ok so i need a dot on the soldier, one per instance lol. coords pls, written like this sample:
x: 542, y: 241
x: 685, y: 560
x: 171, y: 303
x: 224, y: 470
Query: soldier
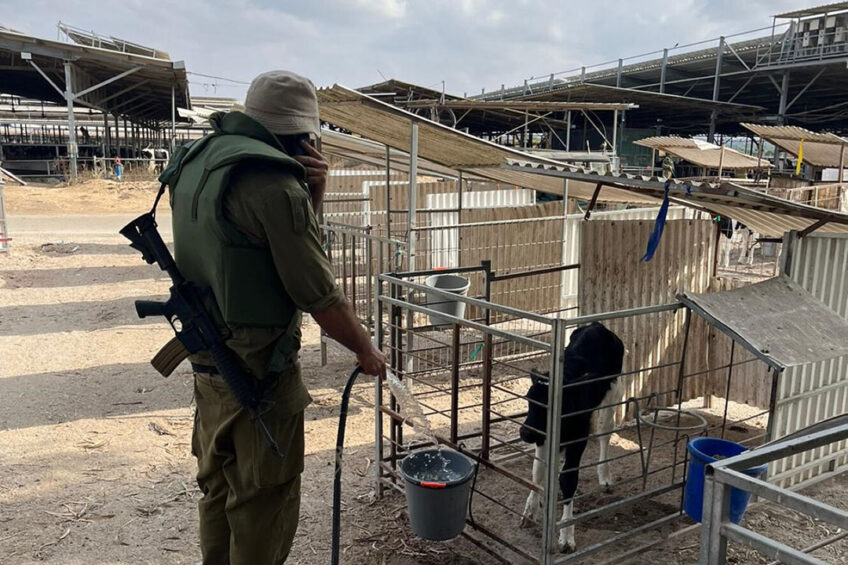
x: 667, y: 165
x: 244, y: 225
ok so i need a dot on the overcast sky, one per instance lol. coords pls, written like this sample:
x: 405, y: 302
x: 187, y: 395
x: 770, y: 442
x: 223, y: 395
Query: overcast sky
x: 469, y: 44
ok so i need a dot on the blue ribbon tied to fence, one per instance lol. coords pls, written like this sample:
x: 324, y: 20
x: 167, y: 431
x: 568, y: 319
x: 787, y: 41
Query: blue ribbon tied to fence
x: 659, y: 226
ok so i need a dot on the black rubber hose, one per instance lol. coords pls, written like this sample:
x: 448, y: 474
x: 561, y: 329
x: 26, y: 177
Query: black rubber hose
x: 337, y: 477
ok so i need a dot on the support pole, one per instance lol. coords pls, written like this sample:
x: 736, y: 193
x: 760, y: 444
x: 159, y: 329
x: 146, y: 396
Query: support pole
x: 105, y: 143
x: 552, y: 445
x: 568, y: 131
x: 716, y: 89
x: 841, y: 190
x: 72, y: 128
x: 388, y: 192
x: 720, y: 162
x: 618, y: 73
x: 784, y: 94
x: 526, y: 133
x: 663, y: 69
x: 459, y: 220
x: 615, y: 133
x: 411, y: 234
x: 173, y: 118
x: 564, y: 255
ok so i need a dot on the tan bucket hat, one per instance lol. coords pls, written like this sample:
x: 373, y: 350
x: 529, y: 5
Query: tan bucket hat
x: 284, y: 102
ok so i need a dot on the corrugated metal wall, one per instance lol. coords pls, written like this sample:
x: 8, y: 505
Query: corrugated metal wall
x: 612, y: 277
x: 571, y: 236
x: 815, y: 392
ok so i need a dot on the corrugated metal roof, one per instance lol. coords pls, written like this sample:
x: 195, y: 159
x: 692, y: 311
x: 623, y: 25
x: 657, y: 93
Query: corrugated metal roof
x: 445, y: 146
x: 703, y: 154
x: 763, y: 213
x: 815, y: 10
x: 777, y: 320
x: 147, y: 80
x: 350, y: 147
x: 820, y: 149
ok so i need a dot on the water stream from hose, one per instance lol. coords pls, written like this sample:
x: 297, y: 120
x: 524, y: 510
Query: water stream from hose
x: 436, y: 466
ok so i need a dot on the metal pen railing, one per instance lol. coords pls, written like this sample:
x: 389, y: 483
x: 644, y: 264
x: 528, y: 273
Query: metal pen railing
x: 724, y: 475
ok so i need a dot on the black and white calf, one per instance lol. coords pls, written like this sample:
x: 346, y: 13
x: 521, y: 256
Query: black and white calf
x: 735, y: 233
x: 593, y: 352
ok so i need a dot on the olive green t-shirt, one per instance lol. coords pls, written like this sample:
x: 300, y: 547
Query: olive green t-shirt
x: 273, y: 210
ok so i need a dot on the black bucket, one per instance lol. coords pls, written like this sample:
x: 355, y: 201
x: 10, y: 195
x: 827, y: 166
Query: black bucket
x: 438, y: 487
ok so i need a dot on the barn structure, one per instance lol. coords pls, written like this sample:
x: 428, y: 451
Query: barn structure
x: 538, y: 270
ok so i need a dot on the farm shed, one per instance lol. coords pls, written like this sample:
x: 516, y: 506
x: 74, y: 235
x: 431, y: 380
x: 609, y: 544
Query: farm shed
x: 703, y: 154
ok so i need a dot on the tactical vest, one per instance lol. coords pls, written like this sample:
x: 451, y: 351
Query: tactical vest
x: 209, y: 250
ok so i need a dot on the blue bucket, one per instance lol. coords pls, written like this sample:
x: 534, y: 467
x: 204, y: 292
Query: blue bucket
x: 703, y: 451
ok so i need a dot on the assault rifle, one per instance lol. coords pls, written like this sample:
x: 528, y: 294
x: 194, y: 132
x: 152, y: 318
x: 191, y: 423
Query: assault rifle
x: 195, y: 329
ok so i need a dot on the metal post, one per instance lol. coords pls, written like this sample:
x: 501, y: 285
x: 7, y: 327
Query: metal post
x: 775, y: 379
x: 378, y: 393
x: 72, y: 128
x: 488, y: 354
x: 173, y: 118
x: 717, y: 78
x: 618, y: 73
x: 552, y: 441
x: 413, y: 195
x: 716, y: 88
x: 105, y: 142
x: 720, y: 162
x: 784, y: 94
x: 663, y: 69
x: 526, y: 134
x: 615, y: 133
x: 716, y: 511
x: 459, y: 220
x: 564, y: 258
x: 454, y: 410
x: 388, y: 192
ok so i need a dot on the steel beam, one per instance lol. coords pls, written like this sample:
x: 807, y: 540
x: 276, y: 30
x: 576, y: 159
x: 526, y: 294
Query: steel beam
x: 107, y: 81
x: 803, y: 90
x: 124, y: 91
x: 61, y: 92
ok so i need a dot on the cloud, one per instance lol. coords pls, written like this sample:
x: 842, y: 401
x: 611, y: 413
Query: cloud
x: 470, y: 44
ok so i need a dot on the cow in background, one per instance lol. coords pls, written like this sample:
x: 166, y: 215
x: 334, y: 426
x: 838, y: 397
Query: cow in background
x: 592, y: 361
x: 735, y: 232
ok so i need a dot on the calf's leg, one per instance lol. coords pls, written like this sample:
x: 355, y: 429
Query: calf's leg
x: 603, y: 429
x: 568, y: 483
x: 533, y: 506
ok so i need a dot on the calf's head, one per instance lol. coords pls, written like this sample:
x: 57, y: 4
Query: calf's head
x: 535, y: 425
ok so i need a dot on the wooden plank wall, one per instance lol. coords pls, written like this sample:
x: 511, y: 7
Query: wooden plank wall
x: 612, y: 277
x: 515, y: 248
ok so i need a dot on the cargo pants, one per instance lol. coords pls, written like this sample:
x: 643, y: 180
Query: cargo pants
x: 251, y: 497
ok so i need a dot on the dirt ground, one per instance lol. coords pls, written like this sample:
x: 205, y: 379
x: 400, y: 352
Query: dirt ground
x: 94, y: 445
